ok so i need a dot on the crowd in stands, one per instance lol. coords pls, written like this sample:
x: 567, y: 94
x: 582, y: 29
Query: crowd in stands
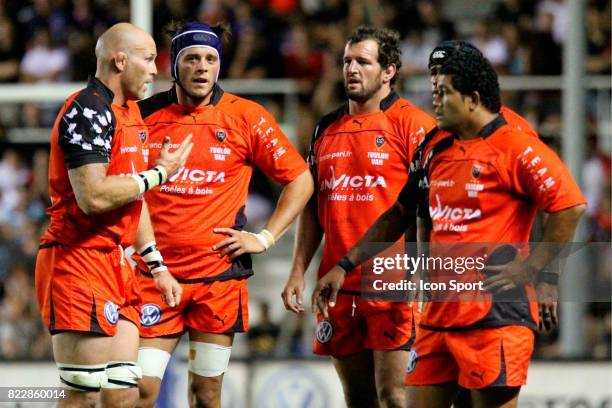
x: 44, y: 41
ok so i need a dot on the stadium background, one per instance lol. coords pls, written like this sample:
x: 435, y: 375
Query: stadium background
x: 554, y: 57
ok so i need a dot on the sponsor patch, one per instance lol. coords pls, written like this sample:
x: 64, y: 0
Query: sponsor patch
x: 412, y: 360
x: 324, y: 331
x: 151, y: 314
x: 111, y: 312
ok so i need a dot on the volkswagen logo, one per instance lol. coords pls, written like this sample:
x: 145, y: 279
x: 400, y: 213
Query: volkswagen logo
x: 412, y: 360
x: 324, y: 332
x: 111, y: 312
x: 151, y: 314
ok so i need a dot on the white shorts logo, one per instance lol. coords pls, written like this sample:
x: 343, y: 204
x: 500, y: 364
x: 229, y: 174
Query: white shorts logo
x: 151, y: 314
x: 111, y: 312
x: 324, y: 332
x: 412, y: 360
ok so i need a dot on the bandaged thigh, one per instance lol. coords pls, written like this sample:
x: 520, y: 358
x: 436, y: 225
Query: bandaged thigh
x: 153, y: 361
x: 208, y: 359
x: 122, y: 374
x: 86, y: 378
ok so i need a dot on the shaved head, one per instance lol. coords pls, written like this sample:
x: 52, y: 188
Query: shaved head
x: 122, y: 37
x: 125, y: 57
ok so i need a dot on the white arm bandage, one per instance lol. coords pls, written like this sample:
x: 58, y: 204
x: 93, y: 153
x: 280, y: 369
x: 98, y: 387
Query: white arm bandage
x: 150, y: 178
x: 151, y: 255
x: 265, y: 238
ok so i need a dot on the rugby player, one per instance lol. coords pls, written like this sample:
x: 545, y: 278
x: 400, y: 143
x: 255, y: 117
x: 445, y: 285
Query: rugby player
x: 199, y: 215
x: 482, y: 346
x: 360, y: 155
x: 97, y: 174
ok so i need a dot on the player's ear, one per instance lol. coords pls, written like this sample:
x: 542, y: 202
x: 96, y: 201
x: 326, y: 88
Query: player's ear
x: 389, y: 73
x: 474, y: 100
x: 120, y: 60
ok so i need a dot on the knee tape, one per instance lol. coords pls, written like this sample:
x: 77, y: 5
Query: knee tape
x: 153, y: 361
x: 122, y: 374
x: 207, y: 359
x: 83, y: 377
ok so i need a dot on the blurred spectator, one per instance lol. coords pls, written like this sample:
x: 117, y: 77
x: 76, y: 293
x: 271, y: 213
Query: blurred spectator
x: 301, y: 61
x: 415, y: 53
x: 492, y: 45
x: 9, y: 54
x: 596, y: 180
x: 13, y: 177
x: 557, y: 10
x: 44, y: 61
x: 598, y: 39
x: 545, y: 55
x: 264, y: 335
x: 518, y: 54
x: 435, y: 27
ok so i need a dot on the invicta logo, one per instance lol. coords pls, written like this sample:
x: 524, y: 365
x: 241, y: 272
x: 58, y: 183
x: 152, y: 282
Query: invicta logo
x: 345, y: 181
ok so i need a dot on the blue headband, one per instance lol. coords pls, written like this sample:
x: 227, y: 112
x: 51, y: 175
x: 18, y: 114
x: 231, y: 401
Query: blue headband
x: 193, y: 35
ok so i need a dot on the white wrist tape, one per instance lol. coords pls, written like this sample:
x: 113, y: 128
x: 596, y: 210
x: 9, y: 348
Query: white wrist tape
x: 151, y: 255
x: 265, y: 238
x: 150, y: 178
x: 268, y: 235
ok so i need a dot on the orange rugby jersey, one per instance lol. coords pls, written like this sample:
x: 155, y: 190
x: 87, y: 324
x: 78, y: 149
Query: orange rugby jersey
x: 91, y: 129
x: 487, y: 190
x: 361, y: 163
x: 230, y: 136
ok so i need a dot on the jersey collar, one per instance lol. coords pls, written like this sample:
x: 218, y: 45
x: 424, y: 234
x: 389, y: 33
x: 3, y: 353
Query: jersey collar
x: 99, y: 86
x: 492, y: 126
x: 388, y: 100
x: 217, y: 94
x: 385, y: 103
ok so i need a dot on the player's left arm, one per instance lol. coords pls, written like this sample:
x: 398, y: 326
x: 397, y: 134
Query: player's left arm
x: 272, y: 152
x: 146, y: 247
x: 539, y: 174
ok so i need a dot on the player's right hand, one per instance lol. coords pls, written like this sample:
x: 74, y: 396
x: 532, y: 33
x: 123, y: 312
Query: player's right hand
x: 548, y: 295
x: 294, y: 287
x: 326, y: 291
x: 174, y: 161
x: 170, y: 289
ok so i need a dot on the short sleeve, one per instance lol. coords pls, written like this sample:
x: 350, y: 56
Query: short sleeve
x: 416, y: 125
x: 537, y: 172
x: 85, y: 131
x: 271, y: 150
x: 517, y: 121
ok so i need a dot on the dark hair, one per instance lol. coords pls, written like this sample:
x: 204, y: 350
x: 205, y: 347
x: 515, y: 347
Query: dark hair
x: 472, y: 72
x: 388, y: 45
x: 222, y: 29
